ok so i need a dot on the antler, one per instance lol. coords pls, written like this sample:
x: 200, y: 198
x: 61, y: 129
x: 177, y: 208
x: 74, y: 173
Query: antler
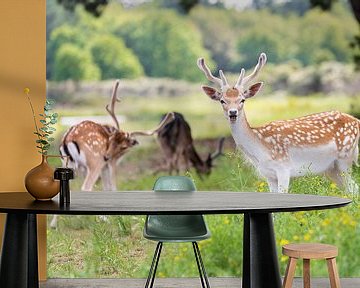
x: 219, y: 150
x: 221, y: 82
x: 243, y: 81
x: 167, y: 119
x: 114, y: 99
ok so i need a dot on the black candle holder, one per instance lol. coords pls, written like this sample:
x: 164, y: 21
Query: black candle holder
x: 64, y: 175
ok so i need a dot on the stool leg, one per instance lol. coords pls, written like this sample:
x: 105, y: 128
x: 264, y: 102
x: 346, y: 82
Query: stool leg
x: 306, y: 273
x: 333, y: 273
x: 290, y: 272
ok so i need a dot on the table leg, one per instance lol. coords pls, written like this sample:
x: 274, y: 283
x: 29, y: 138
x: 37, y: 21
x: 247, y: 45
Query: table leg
x: 19, y: 262
x: 260, y: 263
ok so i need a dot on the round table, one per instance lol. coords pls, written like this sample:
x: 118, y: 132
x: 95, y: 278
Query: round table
x: 260, y: 266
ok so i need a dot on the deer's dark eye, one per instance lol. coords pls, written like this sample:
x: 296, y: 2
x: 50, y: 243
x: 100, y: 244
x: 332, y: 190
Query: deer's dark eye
x: 222, y: 102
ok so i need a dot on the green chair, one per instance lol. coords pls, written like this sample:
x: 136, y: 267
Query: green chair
x: 176, y: 228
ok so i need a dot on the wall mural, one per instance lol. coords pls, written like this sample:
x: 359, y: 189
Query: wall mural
x: 128, y: 85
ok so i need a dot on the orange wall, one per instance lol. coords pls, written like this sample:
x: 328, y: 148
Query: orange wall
x: 22, y: 64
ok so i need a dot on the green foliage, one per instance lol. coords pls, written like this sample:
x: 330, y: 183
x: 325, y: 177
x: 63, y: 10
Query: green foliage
x: 114, y: 59
x: 65, y: 34
x: 329, y: 34
x: 45, y: 131
x: 72, y: 62
x: 167, y: 45
x: 252, y: 44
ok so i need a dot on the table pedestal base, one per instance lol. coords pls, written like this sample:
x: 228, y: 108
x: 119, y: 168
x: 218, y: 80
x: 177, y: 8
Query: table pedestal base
x: 260, y: 262
x: 19, y: 264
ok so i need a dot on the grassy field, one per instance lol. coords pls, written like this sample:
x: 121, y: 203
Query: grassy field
x: 87, y: 246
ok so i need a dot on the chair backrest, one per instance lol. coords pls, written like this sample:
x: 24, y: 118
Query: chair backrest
x: 174, y: 183
x: 164, y: 224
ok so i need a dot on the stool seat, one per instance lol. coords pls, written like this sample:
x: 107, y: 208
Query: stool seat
x: 310, y: 251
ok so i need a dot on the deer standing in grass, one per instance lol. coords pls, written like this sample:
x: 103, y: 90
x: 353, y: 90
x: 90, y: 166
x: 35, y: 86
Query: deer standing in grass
x: 177, y: 145
x: 98, y: 148
x: 322, y: 143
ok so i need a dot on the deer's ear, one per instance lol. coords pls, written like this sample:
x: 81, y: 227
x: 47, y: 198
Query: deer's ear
x: 212, y: 93
x: 253, y: 89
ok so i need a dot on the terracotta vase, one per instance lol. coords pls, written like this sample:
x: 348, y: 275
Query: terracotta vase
x: 40, y: 183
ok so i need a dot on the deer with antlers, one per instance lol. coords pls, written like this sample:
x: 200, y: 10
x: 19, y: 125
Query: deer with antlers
x: 177, y: 145
x: 98, y: 148
x: 322, y: 143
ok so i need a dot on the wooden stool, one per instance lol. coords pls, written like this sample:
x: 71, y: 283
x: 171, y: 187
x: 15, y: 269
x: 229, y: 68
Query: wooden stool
x: 309, y: 251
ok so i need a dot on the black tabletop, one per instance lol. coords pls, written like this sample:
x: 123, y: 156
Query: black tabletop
x: 150, y: 202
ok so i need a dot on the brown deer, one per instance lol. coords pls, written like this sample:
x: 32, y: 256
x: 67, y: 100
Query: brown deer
x: 177, y: 145
x: 98, y: 148
x: 325, y: 143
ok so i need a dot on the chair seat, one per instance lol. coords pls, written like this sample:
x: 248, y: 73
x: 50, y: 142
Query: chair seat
x: 176, y: 228
x: 310, y: 251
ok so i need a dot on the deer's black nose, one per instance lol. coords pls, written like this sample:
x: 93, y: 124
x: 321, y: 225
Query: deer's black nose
x: 232, y: 112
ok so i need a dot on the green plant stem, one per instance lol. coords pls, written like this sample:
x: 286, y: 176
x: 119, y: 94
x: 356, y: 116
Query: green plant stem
x: 34, y: 117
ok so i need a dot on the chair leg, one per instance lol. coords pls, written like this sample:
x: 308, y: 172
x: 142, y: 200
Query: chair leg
x: 290, y: 272
x: 154, y: 264
x: 306, y: 273
x: 333, y: 273
x: 201, y: 267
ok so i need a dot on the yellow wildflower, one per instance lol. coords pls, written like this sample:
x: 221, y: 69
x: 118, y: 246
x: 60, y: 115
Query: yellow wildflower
x: 262, y: 184
x: 296, y: 238
x: 325, y: 222
x: 226, y: 221
x: 307, y: 237
x: 333, y: 186
x: 26, y: 90
x: 284, y: 242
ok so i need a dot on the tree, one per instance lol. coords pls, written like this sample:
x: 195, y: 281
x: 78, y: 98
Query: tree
x: 60, y: 36
x: 114, y: 59
x: 167, y: 45
x: 72, y: 62
x: 95, y: 7
x: 251, y: 45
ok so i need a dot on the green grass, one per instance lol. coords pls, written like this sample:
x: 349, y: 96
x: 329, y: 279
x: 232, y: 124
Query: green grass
x: 90, y: 247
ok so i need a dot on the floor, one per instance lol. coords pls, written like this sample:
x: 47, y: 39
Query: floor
x: 179, y: 282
